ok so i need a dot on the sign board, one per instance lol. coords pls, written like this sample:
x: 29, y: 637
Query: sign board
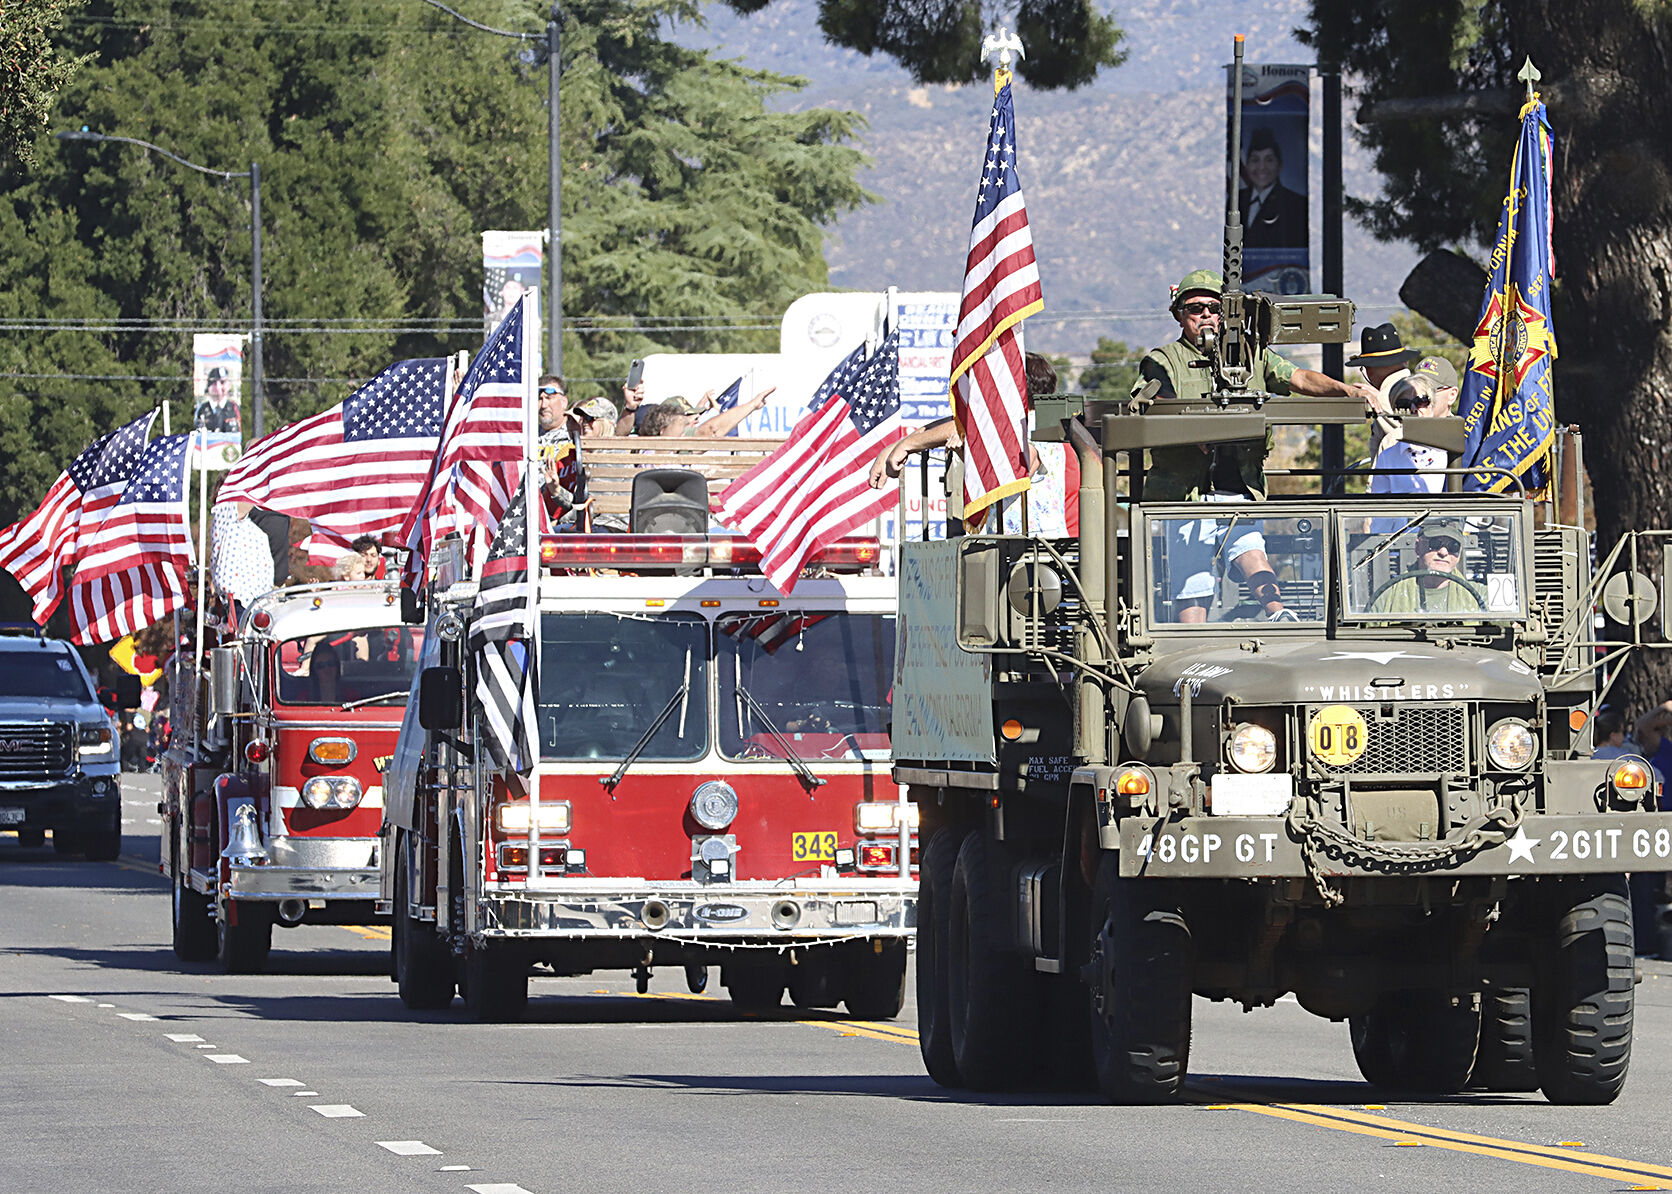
x: 1272, y: 190
x: 217, y: 397
x: 943, y: 696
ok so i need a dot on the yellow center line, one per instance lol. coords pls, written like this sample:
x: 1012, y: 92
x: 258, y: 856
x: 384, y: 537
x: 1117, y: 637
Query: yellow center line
x: 369, y: 932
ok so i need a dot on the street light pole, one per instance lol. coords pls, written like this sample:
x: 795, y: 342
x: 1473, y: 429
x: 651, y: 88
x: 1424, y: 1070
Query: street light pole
x: 257, y: 378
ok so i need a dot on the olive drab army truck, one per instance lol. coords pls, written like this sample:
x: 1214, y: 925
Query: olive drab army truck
x: 272, y: 793
x: 712, y: 786
x: 1378, y: 797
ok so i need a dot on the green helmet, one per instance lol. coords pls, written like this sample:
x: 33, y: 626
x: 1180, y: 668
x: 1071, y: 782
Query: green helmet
x: 1199, y: 281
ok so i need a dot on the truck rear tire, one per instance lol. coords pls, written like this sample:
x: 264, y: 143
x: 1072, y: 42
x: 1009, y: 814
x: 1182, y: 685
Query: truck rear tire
x: 66, y: 841
x: 244, y: 936
x: 986, y: 976
x: 495, y: 985
x: 754, y: 988
x: 31, y: 839
x: 423, y: 963
x: 1504, y: 1062
x: 876, y: 981
x: 1582, y: 1004
x: 934, y: 892
x: 1141, y: 975
x: 1417, y: 1040
x: 194, y: 924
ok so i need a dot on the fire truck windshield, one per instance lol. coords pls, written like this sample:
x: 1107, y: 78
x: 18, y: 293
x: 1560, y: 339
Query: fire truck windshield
x: 823, y: 679
x: 604, y: 678
x: 345, y: 667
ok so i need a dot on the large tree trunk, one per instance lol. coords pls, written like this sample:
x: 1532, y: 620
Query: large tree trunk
x: 1613, y: 242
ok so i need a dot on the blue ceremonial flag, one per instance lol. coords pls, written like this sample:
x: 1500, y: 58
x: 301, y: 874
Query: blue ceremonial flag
x: 729, y: 398
x: 1509, y: 416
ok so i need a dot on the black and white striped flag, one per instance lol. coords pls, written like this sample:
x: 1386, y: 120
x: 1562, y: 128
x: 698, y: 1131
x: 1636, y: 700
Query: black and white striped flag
x: 503, y: 640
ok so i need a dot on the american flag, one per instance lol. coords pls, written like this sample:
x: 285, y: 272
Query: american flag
x: 770, y: 631
x: 729, y: 398
x: 131, y: 567
x: 503, y: 639
x: 354, y: 469
x: 478, y: 461
x: 36, y: 549
x: 843, y: 375
x: 1001, y: 288
x: 815, y: 488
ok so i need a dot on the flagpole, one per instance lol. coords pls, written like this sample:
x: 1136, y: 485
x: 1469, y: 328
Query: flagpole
x: 202, y: 553
x: 533, y: 517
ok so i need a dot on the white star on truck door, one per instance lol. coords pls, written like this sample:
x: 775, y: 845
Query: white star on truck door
x: 1521, y: 846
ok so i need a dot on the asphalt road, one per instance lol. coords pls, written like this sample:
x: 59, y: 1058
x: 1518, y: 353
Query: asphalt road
x: 124, y: 1070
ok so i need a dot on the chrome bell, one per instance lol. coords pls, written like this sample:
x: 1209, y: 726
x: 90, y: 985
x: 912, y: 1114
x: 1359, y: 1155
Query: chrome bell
x: 243, y: 845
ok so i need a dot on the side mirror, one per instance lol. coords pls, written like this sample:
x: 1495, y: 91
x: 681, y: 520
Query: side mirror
x: 223, y: 681
x: 440, y: 698
x: 979, y: 593
x: 124, y: 690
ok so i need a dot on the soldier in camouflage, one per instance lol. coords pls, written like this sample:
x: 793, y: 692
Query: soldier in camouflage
x: 1230, y: 470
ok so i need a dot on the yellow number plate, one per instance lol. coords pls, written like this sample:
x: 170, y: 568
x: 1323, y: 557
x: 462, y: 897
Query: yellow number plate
x: 1337, y: 734
x: 813, y: 847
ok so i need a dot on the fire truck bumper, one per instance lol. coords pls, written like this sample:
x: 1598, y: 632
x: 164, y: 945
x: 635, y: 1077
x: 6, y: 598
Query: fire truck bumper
x: 739, y: 914
x: 284, y: 883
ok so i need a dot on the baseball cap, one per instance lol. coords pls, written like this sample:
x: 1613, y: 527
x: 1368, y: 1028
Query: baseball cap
x: 1437, y: 369
x: 597, y: 408
x: 682, y: 404
x: 1198, y: 281
x: 1449, y: 528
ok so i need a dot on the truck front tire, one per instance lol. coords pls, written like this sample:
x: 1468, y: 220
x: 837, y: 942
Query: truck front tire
x: 194, y: 924
x: 986, y: 976
x: 934, y: 892
x: 495, y: 985
x: 423, y: 963
x: 876, y: 980
x: 244, y: 936
x: 1582, y: 1004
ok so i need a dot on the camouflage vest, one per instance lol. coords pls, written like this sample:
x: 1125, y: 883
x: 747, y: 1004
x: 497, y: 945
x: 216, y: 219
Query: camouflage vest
x: 1184, y: 473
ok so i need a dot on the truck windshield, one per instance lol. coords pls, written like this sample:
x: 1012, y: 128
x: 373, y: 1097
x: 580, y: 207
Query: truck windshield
x: 823, y: 679
x: 1434, y: 565
x: 45, y: 674
x: 347, y: 667
x: 1241, y: 565
x: 605, y: 677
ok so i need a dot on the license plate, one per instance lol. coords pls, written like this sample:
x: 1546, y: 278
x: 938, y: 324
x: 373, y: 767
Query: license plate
x: 813, y: 847
x: 11, y: 816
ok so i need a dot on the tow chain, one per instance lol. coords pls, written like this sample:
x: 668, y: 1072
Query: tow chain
x: 1320, y: 839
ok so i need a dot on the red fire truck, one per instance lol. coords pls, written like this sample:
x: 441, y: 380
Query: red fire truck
x: 713, y: 786
x: 272, y: 793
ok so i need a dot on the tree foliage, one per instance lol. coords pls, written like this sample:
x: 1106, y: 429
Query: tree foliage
x: 389, y: 136
x: 1605, y: 64
x: 1112, y: 372
x: 32, y: 70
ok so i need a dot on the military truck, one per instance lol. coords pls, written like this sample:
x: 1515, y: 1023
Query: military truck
x: 1139, y: 783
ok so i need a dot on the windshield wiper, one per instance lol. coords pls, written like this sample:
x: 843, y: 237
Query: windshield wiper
x: 677, y: 698
x: 1386, y: 541
x: 790, y: 756
x: 387, y: 696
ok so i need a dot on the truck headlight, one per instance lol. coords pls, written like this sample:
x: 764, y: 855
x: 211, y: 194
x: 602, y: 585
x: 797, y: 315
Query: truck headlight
x: 884, y: 816
x: 516, y: 816
x: 714, y: 805
x: 1253, y: 748
x: 95, y: 738
x: 331, y: 792
x: 1511, y: 745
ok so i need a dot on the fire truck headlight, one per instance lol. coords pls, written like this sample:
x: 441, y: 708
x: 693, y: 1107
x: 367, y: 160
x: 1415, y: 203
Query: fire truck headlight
x: 714, y: 805
x: 883, y: 816
x: 331, y: 792
x: 514, y: 817
x: 1510, y: 745
x: 1253, y: 748
x: 450, y: 627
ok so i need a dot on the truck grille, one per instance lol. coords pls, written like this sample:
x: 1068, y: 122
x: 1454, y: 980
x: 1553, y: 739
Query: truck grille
x: 1416, y: 739
x: 37, y: 751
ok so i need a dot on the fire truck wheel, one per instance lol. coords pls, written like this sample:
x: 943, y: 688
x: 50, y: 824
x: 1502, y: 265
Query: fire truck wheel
x: 1418, y: 1040
x: 65, y: 842
x: 755, y: 988
x: 1582, y: 1003
x: 987, y: 979
x: 1140, y: 978
x: 495, y: 985
x: 813, y: 979
x: 423, y: 963
x: 877, y: 981
x: 934, y: 890
x: 1505, y: 1060
x: 31, y: 839
x: 103, y: 845
x: 243, y: 936
x: 194, y: 924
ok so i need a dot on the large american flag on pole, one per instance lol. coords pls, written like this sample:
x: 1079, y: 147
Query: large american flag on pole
x: 36, y: 549
x: 131, y: 567
x: 1001, y: 288
x: 816, y: 488
x: 354, y: 469
x: 479, y: 458
x: 503, y: 640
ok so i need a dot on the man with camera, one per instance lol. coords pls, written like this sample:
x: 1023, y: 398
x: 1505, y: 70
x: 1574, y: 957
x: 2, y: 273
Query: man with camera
x: 1428, y: 393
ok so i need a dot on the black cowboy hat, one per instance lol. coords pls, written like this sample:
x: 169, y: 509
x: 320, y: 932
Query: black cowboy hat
x: 1380, y: 345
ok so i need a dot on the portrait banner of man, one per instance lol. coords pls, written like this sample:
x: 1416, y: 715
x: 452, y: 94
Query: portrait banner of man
x: 217, y: 396
x: 1273, y: 168
x: 511, y: 264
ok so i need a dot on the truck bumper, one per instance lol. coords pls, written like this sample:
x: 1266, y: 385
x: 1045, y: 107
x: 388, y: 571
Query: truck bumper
x: 76, y: 802
x: 735, y: 914
x: 1262, y: 848
x: 283, y: 883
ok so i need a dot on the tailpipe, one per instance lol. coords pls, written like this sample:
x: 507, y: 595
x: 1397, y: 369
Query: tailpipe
x: 291, y: 912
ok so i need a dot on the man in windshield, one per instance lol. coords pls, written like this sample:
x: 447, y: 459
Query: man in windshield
x: 1431, y: 587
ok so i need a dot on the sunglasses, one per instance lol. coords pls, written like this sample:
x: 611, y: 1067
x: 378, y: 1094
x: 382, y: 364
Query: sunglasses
x: 548, y: 391
x: 1200, y: 308
x: 1444, y: 543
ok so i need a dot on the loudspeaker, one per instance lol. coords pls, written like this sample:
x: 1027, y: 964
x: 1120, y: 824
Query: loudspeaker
x: 669, y: 501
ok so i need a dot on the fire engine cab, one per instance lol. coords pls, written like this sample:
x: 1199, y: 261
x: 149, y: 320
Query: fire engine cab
x: 712, y: 785
x: 272, y: 792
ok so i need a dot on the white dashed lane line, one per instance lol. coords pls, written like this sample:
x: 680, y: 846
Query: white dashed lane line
x: 135, y: 1016
x: 183, y: 1038
x: 279, y: 1082
x: 227, y: 1059
x: 499, y: 1188
x: 408, y: 1148
x: 337, y: 1111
